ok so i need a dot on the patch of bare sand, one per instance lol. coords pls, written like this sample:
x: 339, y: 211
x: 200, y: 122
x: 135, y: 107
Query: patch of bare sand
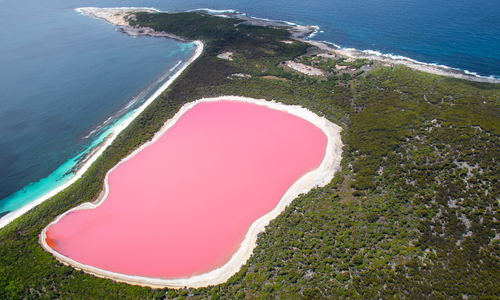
x: 226, y: 55
x: 304, y: 69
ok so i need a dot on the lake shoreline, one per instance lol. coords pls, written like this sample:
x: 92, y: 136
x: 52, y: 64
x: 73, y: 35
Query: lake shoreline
x: 319, y: 177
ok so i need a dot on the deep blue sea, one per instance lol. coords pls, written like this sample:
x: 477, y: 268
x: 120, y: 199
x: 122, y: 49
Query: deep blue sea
x: 65, y: 78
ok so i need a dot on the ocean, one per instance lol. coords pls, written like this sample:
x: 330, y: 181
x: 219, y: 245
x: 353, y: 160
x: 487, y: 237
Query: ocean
x: 67, y: 80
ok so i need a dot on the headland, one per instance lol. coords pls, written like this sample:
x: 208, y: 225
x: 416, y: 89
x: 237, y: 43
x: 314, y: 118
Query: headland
x: 121, y: 18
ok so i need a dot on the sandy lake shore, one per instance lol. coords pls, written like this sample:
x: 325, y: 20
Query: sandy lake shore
x: 316, y: 178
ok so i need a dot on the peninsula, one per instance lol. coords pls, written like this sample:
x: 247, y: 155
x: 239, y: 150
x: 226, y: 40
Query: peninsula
x: 122, y: 18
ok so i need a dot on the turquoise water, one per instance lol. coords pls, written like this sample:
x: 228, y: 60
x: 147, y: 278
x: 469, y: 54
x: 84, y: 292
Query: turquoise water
x: 59, y: 177
x: 66, y: 77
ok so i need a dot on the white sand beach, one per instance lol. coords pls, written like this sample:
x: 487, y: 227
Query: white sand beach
x: 15, y: 214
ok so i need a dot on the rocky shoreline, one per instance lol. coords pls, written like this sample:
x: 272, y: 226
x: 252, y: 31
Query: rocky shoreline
x: 438, y: 70
x: 120, y: 17
x: 297, y: 31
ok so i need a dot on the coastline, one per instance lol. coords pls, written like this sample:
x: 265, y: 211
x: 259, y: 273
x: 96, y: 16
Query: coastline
x: 303, y: 32
x: 412, y: 64
x: 316, y: 178
x: 116, y: 16
x: 5, y: 220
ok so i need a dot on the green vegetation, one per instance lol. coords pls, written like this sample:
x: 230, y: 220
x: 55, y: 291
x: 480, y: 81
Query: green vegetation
x: 412, y: 215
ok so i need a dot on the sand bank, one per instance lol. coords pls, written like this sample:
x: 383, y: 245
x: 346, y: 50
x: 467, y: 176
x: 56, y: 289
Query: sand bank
x: 318, y: 177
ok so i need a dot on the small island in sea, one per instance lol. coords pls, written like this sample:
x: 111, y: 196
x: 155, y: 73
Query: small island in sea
x: 412, y: 211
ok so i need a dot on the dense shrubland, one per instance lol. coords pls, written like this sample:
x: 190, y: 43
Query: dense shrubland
x: 414, y: 213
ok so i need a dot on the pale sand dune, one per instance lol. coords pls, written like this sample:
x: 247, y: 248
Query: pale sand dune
x: 319, y: 177
x: 304, y: 69
x: 120, y: 17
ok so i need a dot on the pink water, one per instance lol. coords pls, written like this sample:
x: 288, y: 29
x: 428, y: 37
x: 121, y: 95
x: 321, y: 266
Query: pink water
x: 183, y: 205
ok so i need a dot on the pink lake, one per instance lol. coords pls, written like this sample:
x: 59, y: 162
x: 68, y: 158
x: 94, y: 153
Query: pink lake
x: 182, y: 206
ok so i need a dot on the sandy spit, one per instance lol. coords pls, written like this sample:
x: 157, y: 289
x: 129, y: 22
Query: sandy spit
x: 115, y: 15
x: 316, y: 178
